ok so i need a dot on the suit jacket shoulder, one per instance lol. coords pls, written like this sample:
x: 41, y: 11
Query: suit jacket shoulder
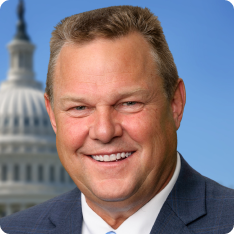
x: 47, y: 217
x: 196, y: 204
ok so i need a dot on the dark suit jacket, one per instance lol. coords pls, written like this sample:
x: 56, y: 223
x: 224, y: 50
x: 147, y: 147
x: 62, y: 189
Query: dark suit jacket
x: 195, y: 205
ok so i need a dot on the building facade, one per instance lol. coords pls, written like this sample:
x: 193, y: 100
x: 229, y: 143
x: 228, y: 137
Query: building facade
x: 30, y: 170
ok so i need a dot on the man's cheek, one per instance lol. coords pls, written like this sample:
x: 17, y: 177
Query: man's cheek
x: 71, y: 133
x: 138, y: 126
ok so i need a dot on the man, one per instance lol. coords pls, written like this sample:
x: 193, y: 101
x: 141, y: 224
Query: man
x: 115, y: 102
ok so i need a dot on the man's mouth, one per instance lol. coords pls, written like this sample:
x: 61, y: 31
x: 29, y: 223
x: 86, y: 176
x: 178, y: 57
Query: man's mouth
x: 111, y: 157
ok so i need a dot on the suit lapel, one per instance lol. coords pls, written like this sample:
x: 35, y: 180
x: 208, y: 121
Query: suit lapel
x: 168, y: 222
x: 68, y: 219
x: 185, y: 203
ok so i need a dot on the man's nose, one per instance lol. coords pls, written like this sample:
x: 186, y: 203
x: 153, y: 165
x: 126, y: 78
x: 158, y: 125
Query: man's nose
x: 105, y: 126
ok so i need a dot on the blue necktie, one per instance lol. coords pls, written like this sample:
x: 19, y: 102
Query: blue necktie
x: 111, y: 232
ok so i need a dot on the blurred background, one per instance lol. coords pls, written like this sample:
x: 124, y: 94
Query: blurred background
x: 200, y: 34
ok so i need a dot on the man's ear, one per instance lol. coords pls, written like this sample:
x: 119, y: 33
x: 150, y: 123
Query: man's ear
x: 50, y: 112
x: 178, y: 102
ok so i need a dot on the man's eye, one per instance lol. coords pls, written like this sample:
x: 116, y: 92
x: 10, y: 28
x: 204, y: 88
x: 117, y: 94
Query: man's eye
x: 80, y: 107
x: 80, y: 111
x: 130, y: 107
x: 129, y: 103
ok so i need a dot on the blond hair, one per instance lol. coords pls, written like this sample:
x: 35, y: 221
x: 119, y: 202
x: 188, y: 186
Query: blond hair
x: 113, y: 22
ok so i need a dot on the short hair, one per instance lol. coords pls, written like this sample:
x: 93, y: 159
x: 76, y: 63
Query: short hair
x: 114, y: 22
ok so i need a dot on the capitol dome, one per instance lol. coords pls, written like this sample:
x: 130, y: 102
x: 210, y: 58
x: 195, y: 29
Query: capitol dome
x: 22, y: 110
x: 30, y: 170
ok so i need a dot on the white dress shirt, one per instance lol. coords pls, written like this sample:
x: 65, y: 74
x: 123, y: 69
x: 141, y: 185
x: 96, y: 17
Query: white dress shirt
x: 140, y: 222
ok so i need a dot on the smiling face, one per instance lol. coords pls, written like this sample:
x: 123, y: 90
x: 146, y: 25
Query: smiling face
x: 109, y: 102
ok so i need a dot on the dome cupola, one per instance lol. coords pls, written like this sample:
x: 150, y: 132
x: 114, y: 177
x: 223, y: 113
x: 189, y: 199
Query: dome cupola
x: 21, y: 57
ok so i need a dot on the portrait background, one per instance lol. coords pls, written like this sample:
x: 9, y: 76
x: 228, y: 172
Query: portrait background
x: 200, y: 35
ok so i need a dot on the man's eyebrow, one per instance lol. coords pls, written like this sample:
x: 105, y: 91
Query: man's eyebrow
x: 142, y: 92
x: 71, y: 99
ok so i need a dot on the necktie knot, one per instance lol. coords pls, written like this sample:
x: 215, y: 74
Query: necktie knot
x: 111, y: 232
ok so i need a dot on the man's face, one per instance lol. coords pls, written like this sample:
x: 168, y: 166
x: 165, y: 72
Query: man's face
x: 108, y: 99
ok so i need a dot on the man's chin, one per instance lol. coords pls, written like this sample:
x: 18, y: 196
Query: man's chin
x: 116, y: 196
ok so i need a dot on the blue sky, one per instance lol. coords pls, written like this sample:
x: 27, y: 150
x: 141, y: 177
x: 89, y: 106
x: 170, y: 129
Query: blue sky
x: 200, y: 34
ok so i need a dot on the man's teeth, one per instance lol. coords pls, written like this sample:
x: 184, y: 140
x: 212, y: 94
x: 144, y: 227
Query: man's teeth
x: 112, y: 157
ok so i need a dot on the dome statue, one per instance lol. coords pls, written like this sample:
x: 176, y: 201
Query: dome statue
x: 30, y: 170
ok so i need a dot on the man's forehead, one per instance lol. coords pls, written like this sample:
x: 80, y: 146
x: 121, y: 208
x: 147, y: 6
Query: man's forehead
x: 106, y: 62
x: 121, y: 51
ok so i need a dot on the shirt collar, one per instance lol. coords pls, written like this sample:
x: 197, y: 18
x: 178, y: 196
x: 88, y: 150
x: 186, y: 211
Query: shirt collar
x: 140, y: 222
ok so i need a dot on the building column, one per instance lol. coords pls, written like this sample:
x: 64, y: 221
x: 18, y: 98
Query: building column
x: 34, y: 172
x: 10, y: 171
x: 1, y: 171
x: 46, y: 172
x: 22, y: 175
